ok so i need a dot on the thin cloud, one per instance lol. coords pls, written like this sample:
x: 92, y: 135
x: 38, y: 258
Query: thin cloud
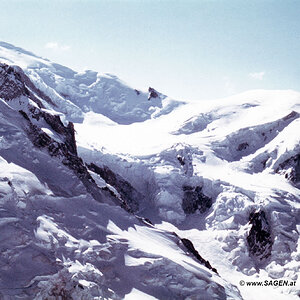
x: 56, y: 46
x: 257, y: 75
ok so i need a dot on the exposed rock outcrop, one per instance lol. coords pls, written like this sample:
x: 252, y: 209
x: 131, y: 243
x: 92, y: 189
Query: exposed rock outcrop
x: 15, y: 83
x: 67, y: 131
x: 291, y: 169
x: 259, y: 238
x: 194, y: 199
x: 127, y: 192
x: 242, y: 146
x: 152, y: 93
x: 190, y: 247
x: 66, y: 153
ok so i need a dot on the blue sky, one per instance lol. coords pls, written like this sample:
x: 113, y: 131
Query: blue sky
x: 186, y: 49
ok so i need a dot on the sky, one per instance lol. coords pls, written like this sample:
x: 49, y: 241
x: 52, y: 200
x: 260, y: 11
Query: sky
x: 189, y: 49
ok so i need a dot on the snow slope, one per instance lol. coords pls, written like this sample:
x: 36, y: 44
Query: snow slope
x: 74, y: 93
x: 234, y: 158
x: 111, y: 216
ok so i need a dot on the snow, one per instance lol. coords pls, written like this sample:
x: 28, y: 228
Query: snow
x: 56, y: 240
x: 236, y: 191
x: 136, y: 294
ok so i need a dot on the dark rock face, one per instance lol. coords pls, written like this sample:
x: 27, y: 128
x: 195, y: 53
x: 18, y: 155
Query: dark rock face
x: 152, y: 93
x: 14, y: 83
x: 181, y: 160
x: 259, y: 238
x: 194, y: 199
x: 291, y: 115
x: 70, y: 159
x: 11, y: 85
x: 42, y: 139
x: 68, y: 132
x: 128, y: 193
x: 190, y: 247
x: 242, y: 146
x: 291, y: 169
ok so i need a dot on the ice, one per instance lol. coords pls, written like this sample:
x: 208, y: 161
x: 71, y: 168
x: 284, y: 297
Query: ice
x: 136, y: 294
x: 58, y: 241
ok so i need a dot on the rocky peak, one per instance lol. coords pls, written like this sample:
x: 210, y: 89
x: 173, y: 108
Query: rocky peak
x: 152, y: 93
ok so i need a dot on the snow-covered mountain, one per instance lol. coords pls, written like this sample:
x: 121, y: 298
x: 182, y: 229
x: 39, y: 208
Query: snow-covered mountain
x: 107, y: 192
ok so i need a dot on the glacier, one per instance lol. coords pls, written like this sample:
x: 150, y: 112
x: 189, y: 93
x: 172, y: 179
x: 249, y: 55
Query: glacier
x: 108, y: 192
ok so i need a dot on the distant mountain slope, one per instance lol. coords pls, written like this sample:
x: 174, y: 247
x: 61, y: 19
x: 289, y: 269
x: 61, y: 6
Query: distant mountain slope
x: 75, y: 93
x: 107, y: 192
